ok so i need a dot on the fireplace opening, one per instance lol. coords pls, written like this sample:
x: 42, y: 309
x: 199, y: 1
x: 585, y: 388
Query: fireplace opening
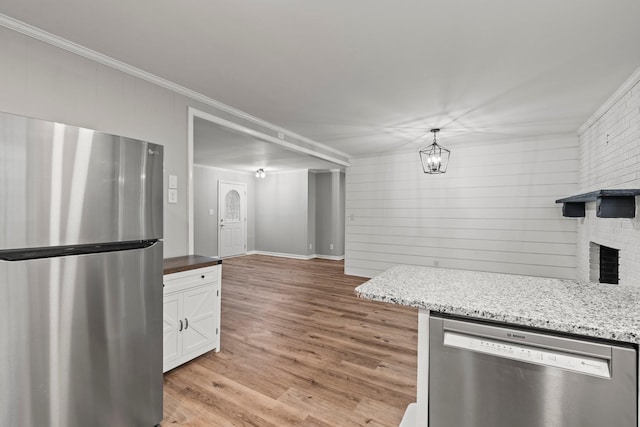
x: 609, y: 265
x: 604, y: 264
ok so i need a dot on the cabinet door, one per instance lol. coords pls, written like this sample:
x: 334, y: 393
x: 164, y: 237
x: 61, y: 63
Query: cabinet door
x: 199, y: 312
x: 172, y: 337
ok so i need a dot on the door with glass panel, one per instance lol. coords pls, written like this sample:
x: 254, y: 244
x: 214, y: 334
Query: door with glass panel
x: 232, y: 218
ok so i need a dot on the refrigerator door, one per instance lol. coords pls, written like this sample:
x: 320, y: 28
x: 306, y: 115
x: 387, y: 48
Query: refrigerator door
x: 61, y: 185
x: 81, y: 340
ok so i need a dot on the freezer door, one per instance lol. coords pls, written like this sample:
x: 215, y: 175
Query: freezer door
x: 61, y: 185
x: 81, y: 340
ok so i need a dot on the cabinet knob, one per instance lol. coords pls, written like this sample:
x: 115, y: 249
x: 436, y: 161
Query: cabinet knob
x: 202, y: 276
x: 186, y: 321
x: 180, y: 330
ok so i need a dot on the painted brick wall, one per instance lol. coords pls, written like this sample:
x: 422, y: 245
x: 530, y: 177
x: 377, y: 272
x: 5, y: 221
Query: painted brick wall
x: 610, y: 159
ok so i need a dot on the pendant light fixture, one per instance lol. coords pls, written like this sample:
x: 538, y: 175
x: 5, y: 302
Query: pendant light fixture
x: 260, y: 173
x: 434, y: 158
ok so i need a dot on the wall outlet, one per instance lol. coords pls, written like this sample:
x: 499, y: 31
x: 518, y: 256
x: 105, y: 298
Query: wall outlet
x: 331, y: 246
x: 212, y: 212
x: 310, y: 245
x: 173, y: 181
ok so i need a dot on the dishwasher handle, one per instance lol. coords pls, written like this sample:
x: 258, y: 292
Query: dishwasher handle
x: 587, y: 365
x: 524, y: 337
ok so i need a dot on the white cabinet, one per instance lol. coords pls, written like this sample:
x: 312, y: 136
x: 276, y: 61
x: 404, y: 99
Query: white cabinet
x: 191, y: 315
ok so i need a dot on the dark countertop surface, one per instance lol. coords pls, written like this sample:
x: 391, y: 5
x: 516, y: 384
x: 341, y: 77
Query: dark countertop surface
x: 188, y: 262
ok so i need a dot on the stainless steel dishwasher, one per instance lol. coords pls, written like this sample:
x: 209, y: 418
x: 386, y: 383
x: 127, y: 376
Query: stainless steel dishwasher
x: 481, y: 375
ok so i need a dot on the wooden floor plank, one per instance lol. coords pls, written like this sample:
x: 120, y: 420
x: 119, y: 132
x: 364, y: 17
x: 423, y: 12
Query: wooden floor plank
x: 298, y: 349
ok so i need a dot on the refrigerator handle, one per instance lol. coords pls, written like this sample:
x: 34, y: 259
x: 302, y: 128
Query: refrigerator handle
x: 186, y: 321
x: 180, y: 330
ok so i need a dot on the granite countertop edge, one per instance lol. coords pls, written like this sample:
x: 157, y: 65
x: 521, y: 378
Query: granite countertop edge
x: 626, y: 328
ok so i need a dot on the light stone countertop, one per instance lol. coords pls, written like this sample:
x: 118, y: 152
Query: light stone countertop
x: 590, y: 309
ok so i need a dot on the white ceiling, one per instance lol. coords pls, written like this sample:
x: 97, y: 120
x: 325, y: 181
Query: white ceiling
x: 367, y: 76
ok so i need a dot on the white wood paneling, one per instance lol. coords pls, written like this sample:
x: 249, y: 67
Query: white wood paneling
x: 405, y: 243
x: 494, y: 210
x: 516, y: 236
x: 358, y: 266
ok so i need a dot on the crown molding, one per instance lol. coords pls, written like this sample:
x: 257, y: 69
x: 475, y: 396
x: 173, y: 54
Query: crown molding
x: 613, y: 100
x: 59, y: 42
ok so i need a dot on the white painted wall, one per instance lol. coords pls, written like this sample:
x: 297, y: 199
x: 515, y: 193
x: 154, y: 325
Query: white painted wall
x: 205, y: 191
x: 311, y: 210
x: 494, y: 209
x: 282, y: 217
x: 330, y: 213
x: 339, y: 186
x: 41, y: 81
x: 46, y: 82
x: 324, y: 234
x: 610, y: 159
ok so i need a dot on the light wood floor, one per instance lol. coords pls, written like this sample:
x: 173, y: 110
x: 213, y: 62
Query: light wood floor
x: 298, y: 349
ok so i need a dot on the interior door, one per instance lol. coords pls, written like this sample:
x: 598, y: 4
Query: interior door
x: 232, y: 219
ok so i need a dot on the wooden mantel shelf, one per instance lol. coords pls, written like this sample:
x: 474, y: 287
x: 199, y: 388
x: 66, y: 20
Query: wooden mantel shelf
x: 609, y: 203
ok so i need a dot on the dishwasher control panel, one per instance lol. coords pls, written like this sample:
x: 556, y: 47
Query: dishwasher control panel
x: 546, y: 357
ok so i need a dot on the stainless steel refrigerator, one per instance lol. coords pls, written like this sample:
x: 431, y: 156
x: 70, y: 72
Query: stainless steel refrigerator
x: 80, y: 277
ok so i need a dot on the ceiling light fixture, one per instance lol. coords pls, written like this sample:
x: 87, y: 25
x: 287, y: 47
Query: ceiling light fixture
x: 434, y: 158
x: 260, y: 173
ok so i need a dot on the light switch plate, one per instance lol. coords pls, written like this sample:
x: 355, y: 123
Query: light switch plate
x: 173, y: 181
x: 173, y: 195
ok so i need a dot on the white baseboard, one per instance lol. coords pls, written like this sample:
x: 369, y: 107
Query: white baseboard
x: 330, y: 257
x: 296, y: 256
x: 409, y: 419
x: 284, y: 255
x: 235, y: 256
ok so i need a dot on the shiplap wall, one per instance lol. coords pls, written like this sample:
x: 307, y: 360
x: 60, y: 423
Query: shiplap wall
x: 494, y: 210
x: 610, y: 158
